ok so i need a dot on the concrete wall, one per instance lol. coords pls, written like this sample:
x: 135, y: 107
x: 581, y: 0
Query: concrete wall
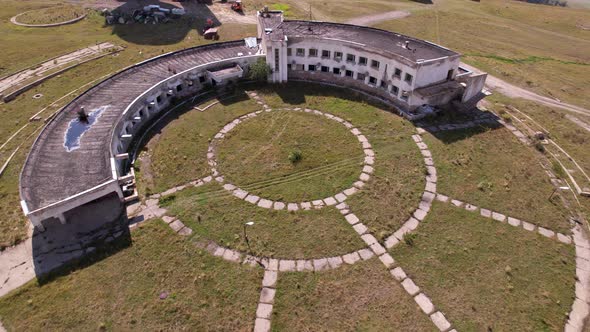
x: 385, y: 82
x: 475, y: 84
x: 156, y: 99
x: 436, y: 71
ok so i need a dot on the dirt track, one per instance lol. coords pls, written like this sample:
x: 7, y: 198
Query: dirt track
x: 377, y: 18
x: 512, y: 91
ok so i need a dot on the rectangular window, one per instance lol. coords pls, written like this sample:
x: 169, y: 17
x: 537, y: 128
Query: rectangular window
x: 325, y: 54
x: 408, y: 78
x: 325, y: 69
x: 311, y: 67
x: 338, y: 56
x: 363, y: 61
x: 360, y: 77
x: 201, y: 79
x: 394, y: 90
x: 289, y: 66
x: 350, y: 57
x: 398, y: 73
x: 277, y: 59
x: 384, y: 84
x: 289, y: 52
x: 404, y: 95
x: 372, y: 80
x: 349, y: 73
x: 313, y: 52
x: 336, y: 71
x: 300, y: 52
x: 179, y: 87
x: 375, y: 64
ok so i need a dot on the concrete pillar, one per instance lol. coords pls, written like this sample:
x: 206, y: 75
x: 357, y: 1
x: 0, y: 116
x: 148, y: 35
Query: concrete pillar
x: 62, y: 218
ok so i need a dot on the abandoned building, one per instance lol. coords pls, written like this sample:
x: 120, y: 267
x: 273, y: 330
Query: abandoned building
x: 75, y: 162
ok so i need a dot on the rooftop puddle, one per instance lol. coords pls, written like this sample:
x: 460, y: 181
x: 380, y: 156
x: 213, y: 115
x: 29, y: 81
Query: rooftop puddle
x: 78, y: 128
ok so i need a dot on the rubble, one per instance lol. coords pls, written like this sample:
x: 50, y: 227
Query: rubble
x: 149, y: 14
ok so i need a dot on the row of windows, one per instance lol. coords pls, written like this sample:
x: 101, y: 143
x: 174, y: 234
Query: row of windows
x: 338, y: 56
x: 349, y: 73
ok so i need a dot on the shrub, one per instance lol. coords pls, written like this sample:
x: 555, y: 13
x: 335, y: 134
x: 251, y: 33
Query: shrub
x: 259, y: 71
x: 295, y: 157
x: 409, y: 239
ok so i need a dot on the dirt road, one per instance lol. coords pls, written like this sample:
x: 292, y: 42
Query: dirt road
x: 377, y: 18
x: 512, y: 91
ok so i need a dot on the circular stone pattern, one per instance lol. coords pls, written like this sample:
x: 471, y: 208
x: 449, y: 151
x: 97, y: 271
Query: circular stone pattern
x: 257, y: 164
x: 50, y: 17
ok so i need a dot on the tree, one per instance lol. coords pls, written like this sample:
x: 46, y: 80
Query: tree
x: 259, y: 71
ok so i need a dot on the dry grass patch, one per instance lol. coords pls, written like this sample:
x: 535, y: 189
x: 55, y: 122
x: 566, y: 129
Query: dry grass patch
x: 177, y: 150
x: 215, y: 214
x: 290, y: 156
x: 361, y: 297
x: 486, y: 275
x: 490, y: 168
x: 51, y: 15
x: 396, y: 186
x: 122, y: 292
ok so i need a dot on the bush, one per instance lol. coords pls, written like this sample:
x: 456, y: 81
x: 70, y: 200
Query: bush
x: 409, y: 239
x: 166, y: 200
x: 259, y: 71
x: 295, y: 156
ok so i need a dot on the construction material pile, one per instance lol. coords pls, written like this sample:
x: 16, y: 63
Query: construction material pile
x: 149, y: 14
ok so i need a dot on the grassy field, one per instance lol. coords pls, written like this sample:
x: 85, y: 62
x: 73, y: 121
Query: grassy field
x: 395, y: 189
x: 526, y: 44
x: 215, y: 214
x: 50, y: 15
x: 490, y: 168
x: 486, y: 275
x: 177, y: 149
x: 260, y: 156
x: 122, y: 292
x: 361, y: 297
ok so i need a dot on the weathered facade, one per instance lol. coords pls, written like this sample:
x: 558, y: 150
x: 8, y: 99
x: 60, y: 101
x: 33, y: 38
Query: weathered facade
x: 405, y: 71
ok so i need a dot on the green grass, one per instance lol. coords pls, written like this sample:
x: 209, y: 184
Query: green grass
x: 256, y: 156
x: 122, y: 292
x: 361, y: 297
x: 486, y: 275
x: 490, y: 168
x: 51, y: 15
x: 177, y: 152
x: 525, y: 44
x: 215, y: 214
x: 397, y: 184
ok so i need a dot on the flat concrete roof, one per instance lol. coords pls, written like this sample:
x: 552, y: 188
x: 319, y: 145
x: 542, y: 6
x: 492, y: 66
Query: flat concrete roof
x: 52, y: 173
x: 376, y: 39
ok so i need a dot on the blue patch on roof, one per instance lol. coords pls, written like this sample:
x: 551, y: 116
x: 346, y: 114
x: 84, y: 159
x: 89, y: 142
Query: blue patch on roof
x: 77, y: 129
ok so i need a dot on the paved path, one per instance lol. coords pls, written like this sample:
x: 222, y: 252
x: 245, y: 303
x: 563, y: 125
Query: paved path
x: 377, y: 18
x: 16, y: 266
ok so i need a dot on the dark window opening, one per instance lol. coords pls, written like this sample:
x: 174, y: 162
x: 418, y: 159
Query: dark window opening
x: 450, y: 74
x: 408, y: 78
x: 372, y: 80
x: 398, y: 73
x: 289, y: 52
x: 179, y: 87
x: 325, y: 69
x: 313, y: 52
x: 201, y: 79
x: 325, y: 54
x: 360, y: 77
x: 363, y: 61
x: 336, y: 71
x: 394, y: 90
x: 311, y: 67
x: 349, y: 73
x: 350, y: 57
x: 375, y: 64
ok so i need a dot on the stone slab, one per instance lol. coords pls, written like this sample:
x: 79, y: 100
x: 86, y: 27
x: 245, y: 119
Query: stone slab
x: 267, y: 295
x: 410, y: 286
x: 440, y: 321
x: 387, y: 260
x: 269, y: 279
x: 264, y: 310
x: 351, y: 258
x: 398, y: 273
x: 424, y: 303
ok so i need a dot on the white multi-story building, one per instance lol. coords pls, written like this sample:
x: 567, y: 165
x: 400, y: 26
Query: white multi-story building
x: 403, y: 70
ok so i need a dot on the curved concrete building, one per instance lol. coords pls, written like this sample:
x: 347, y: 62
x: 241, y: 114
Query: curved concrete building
x: 73, y: 163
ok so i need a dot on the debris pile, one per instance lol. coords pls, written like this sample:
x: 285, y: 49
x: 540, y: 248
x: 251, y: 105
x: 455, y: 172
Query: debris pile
x: 149, y: 14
